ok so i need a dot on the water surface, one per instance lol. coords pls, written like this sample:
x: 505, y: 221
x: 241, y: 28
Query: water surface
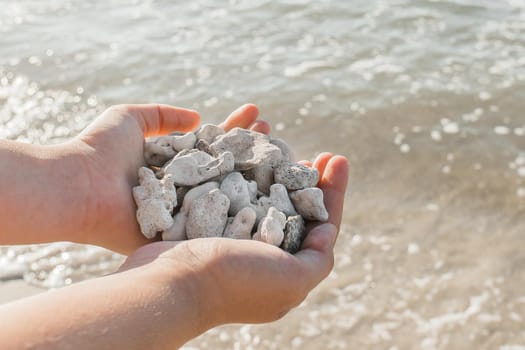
x: 424, y: 97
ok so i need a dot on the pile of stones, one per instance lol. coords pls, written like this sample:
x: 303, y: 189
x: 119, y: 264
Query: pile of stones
x: 238, y: 184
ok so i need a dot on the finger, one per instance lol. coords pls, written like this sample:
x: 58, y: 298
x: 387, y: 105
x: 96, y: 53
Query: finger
x: 321, y: 161
x: 306, y: 163
x: 242, y: 117
x: 156, y: 119
x: 321, y: 238
x: 261, y: 126
x: 333, y: 183
x: 316, y: 254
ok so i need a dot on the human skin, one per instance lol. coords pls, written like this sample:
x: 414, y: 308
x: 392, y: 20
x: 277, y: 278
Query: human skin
x: 166, y: 293
x: 80, y: 190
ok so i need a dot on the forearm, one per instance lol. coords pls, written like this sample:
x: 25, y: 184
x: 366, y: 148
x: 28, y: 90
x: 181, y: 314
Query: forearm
x: 129, y: 310
x: 42, y: 190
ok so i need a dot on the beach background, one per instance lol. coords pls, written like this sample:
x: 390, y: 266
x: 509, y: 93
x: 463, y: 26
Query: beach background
x: 425, y: 97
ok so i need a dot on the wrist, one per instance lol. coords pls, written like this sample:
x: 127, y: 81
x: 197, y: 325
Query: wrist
x: 187, y: 295
x: 73, y: 200
x: 42, y: 193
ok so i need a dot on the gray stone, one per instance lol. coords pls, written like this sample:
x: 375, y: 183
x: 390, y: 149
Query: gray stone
x: 177, y: 231
x: 271, y: 227
x: 296, y: 176
x: 286, y: 151
x: 309, y: 204
x: 240, y: 226
x: 158, y: 150
x: 262, y: 175
x: 237, y: 189
x: 196, y: 167
x: 249, y: 148
x: 294, y: 234
x: 208, y: 215
x: 186, y: 141
x: 278, y: 198
x: 155, y: 202
x: 208, y: 133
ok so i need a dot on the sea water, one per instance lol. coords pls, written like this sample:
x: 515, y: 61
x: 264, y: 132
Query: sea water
x: 426, y: 98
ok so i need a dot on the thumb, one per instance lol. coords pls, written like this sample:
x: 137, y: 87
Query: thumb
x: 158, y: 119
x: 316, y: 254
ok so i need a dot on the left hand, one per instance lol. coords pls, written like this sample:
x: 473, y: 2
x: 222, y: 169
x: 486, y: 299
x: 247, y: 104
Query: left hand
x: 111, y: 152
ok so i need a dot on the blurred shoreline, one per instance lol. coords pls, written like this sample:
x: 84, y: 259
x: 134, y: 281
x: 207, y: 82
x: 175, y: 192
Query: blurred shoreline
x: 13, y: 290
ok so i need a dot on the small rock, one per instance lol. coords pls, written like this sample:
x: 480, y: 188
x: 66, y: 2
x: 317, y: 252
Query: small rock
x: 196, y: 167
x: 262, y: 174
x: 241, y: 225
x: 278, y: 198
x: 204, y: 146
x: 158, y: 150
x: 155, y: 202
x: 177, y: 231
x: 237, y: 189
x: 271, y: 227
x: 294, y: 234
x: 208, y: 215
x: 286, y: 151
x: 197, y: 192
x: 181, y: 193
x: 186, y: 141
x: 249, y: 148
x: 201, y: 157
x: 252, y: 189
x: 208, y: 133
x: 296, y: 176
x: 309, y: 204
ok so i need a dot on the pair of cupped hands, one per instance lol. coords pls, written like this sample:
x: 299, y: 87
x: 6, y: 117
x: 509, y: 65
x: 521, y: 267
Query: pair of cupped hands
x: 263, y: 281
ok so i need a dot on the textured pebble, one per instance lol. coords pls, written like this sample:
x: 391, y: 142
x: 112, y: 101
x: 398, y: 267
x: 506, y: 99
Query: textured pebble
x: 208, y: 215
x: 237, y: 189
x: 208, y: 133
x: 286, y: 151
x: 296, y: 176
x: 248, y: 148
x: 309, y: 204
x: 196, y: 167
x: 177, y: 231
x: 155, y: 202
x: 294, y: 234
x: 228, y: 183
x: 271, y: 227
x: 240, y: 226
x: 158, y: 151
